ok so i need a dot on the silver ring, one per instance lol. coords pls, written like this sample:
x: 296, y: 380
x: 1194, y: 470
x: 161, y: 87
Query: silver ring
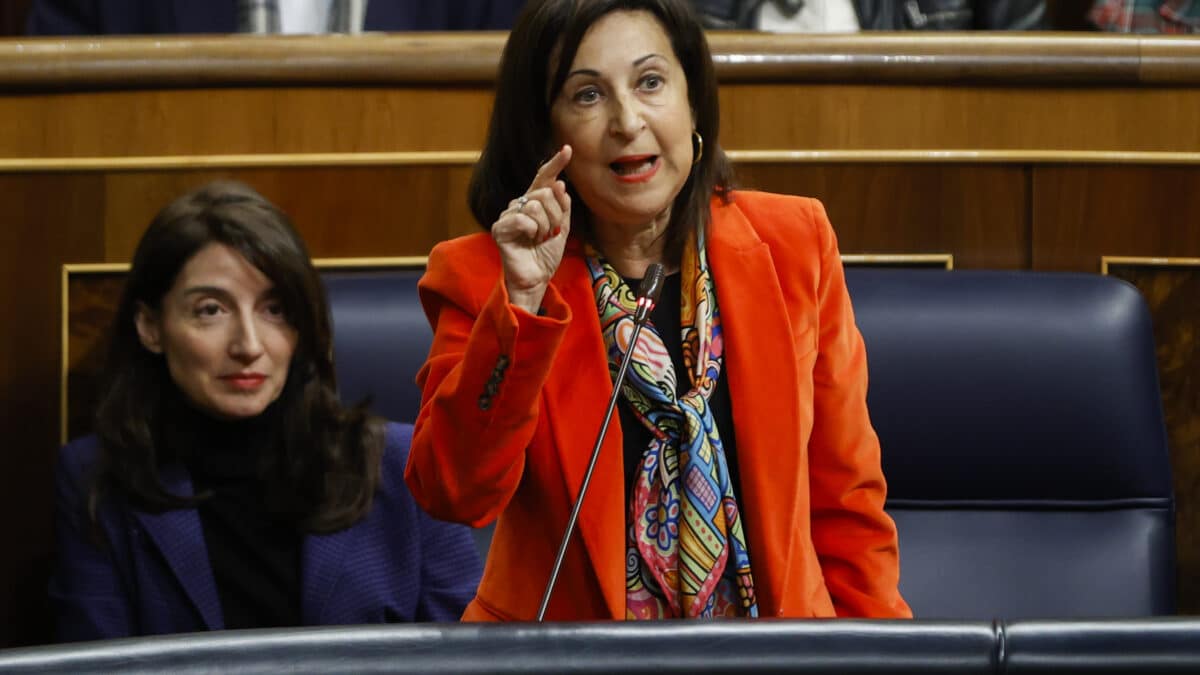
x: 521, y: 202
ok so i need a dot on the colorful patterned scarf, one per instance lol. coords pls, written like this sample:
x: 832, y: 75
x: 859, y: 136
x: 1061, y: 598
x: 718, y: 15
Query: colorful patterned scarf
x: 683, y: 523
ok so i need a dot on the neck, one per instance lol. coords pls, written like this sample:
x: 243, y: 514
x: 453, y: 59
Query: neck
x: 631, y: 249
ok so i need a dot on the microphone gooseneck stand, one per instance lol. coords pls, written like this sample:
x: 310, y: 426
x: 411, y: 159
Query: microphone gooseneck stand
x: 648, y: 293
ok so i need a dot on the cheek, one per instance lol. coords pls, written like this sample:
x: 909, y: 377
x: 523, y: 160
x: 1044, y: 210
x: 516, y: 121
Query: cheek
x: 283, y: 342
x: 191, y: 357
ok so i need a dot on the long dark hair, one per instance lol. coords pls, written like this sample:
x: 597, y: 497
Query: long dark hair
x: 327, y: 458
x: 547, y: 34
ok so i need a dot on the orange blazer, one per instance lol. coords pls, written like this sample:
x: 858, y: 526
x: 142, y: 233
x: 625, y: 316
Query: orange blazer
x: 512, y: 403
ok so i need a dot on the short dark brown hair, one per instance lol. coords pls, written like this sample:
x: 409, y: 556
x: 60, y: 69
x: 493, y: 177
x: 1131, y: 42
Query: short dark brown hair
x: 548, y: 33
x: 325, y: 466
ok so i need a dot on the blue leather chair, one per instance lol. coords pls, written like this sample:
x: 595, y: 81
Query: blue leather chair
x: 381, y: 338
x: 1023, y: 442
x: 1019, y: 417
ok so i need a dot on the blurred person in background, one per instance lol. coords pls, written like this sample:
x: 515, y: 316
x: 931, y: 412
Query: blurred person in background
x: 1146, y: 16
x: 137, y: 17
x: 816, y: 16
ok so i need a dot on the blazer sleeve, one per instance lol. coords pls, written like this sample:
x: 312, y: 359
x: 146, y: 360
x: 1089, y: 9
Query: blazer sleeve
x: 90, y: 600
x: 481, y: 385
x: 855, y: 541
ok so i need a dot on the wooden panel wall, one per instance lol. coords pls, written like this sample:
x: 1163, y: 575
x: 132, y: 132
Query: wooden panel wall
x: 1040, y: 153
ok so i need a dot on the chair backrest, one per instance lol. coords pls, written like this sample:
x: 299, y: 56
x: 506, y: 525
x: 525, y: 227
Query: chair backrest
x: 381, y: 338
x: 1023, y: 442
x: 1019, y: 417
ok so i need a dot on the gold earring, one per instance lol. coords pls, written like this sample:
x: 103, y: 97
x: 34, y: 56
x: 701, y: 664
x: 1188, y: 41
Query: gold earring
x: 699, y: 147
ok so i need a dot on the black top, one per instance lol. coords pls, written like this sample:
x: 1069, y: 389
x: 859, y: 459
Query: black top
x: 254, y: 554
x: 666, y: 318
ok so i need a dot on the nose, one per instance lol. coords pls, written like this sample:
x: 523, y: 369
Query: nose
x: 246, y: 345
x: 626, y: 119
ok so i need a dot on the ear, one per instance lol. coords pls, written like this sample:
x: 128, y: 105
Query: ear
x: 148, y: 329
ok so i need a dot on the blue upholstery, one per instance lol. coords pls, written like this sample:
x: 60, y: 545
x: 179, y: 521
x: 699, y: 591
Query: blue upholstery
x: 1023, y: 442
x: 1019, y: 417
x: 381, y: 338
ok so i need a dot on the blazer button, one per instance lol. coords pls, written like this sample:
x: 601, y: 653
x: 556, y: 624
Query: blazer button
x: 502, y: 363
x: 485, y: 402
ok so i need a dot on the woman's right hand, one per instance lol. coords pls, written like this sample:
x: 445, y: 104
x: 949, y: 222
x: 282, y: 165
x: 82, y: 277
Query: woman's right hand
x: 532, y: 234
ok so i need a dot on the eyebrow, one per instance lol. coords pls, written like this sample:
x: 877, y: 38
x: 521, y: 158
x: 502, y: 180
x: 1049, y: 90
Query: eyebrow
x: 595, y: 73
x: 270, y: 293
x: 206, y: 290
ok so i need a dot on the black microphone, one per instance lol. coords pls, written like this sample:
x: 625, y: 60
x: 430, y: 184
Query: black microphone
x: 647, y: 298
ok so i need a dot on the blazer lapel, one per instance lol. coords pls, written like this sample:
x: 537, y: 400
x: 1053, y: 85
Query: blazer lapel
x: 320, y: 569
x: 179, y: 536
x: 577, y: 394
x: 764, y: 396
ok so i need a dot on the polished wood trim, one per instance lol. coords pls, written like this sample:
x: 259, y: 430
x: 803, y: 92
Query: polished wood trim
x: 64, y: 340
x: 472, y: 58
x: 168, y: 162
x: 408, y: 262
x: 468, y: 158
x: 91, y: 268
x: 899, y: 259
x: 774, y: 156
x: 1145, y: 261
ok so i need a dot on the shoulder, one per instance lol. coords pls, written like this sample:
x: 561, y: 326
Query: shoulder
x: 397, y: 436
x: 393, y: 491
x: 78, y: 458
x: 462, y: 271
x: 789, y: 224
x: 465, y: 252
x: 770, y: 213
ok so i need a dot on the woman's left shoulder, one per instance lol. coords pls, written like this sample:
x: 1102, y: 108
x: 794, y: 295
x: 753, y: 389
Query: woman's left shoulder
x: 786, y: 223
x: 771, y: 212
x: 397, y: 437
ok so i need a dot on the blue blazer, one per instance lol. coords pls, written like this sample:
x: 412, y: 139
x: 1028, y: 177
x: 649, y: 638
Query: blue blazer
x: 135, y: 17
x: 397, y: 564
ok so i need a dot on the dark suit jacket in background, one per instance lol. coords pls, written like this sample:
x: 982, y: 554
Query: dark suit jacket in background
x: 397, y: 564
x: 138, y: 17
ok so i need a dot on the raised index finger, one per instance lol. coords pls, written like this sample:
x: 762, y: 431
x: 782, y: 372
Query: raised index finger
x: 548, y: 172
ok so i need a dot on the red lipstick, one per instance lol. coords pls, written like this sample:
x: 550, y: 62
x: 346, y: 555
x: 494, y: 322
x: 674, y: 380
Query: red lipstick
x: 244, y: 381
x: 635, y: 168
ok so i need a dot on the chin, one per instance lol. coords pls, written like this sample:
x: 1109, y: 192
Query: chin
x: 239, y: 411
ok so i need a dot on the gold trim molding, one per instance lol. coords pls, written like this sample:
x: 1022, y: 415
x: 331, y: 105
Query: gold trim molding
x: 466, y: 158
x: 461, y: 58
x: 1145, y: 261
x: 946, y: 260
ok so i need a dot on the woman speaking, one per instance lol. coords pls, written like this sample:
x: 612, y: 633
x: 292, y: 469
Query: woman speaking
x: 742, y: 477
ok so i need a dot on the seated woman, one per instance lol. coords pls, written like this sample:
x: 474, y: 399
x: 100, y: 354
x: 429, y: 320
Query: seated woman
x: 226, y: 486
x: 741, y: 476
